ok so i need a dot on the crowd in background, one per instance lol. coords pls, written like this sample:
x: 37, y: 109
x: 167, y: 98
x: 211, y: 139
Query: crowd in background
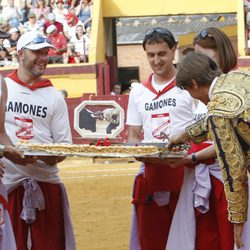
x: 67, y: 23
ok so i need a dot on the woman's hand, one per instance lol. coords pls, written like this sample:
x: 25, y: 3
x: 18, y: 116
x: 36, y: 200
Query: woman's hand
x: 238, y: 229
x: 17, y: 156
x: 178, y: 138
x: 10, y: 151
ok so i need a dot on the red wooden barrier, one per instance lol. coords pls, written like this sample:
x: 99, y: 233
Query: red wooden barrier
x: 72, y: 103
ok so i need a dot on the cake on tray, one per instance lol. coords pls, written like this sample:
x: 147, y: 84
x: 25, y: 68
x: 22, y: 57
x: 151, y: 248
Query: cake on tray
x: 85, y: 150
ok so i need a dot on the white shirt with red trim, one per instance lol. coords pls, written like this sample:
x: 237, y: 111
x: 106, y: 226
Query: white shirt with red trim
x: 40, y: 116
x: 168, y: 114
x: 200, y: 112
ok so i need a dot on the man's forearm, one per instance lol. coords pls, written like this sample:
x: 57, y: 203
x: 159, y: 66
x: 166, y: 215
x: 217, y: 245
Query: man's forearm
x: 4, y: 139
x: 206, y: 153
x: 134, y: 134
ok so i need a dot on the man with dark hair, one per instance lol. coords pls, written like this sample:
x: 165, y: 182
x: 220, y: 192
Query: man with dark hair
x: 116, y: 88
x: 157, y: 107
x: 227, y: 123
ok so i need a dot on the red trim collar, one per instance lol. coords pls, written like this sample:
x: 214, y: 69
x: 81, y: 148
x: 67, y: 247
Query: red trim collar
x: 148, y: 85
x: 42, y: 84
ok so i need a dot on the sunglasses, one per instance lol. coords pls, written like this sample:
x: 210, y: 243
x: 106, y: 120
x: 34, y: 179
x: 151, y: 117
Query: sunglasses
x: 204, y: 33
x: 161, y: 31
x: 38, y: 40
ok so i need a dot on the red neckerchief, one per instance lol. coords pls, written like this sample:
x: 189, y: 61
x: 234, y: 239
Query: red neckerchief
x: 42, y: 84
x: 148, y: 84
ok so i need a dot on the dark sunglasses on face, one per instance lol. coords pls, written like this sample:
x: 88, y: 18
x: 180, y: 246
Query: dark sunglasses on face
x: 157, y: 30
x: 204, y: 33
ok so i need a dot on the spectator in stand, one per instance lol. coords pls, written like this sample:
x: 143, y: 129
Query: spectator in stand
x: 59, y: 11
x: 247, y: 23
x: 10, y: 44
x: 81, y: 42
x: 247, y: 4
x: 59, y: 41
x: 71, y: 56
x: 4, y: 55
x: 84, y: 13
x: 32, y: 4
x: 246, y: 7
x: 32, y: 24
x: 21, y: 6
x: 5, y: 26
x: 116, y: 88
x: 41, y: 11
x: 11, y: 15
x: 248, y: 44
x: 41, y: 30
x: 69, y: 28
x: 69, y: 4
x: 51, y: 19
x: 24, y: 10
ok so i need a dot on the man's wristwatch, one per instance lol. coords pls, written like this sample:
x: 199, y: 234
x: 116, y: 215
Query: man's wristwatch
x: 193, y: 158
x: 1, y: 150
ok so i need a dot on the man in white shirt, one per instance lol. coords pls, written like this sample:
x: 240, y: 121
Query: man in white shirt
x: 11, y: 14
x: 37, y: 112
x: 158, y: 108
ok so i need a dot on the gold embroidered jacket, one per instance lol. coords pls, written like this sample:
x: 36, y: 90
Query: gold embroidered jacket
x: 228, y: 125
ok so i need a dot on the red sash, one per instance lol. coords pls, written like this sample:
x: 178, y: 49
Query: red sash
x: 42, y: 84
x: 148, y: 85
